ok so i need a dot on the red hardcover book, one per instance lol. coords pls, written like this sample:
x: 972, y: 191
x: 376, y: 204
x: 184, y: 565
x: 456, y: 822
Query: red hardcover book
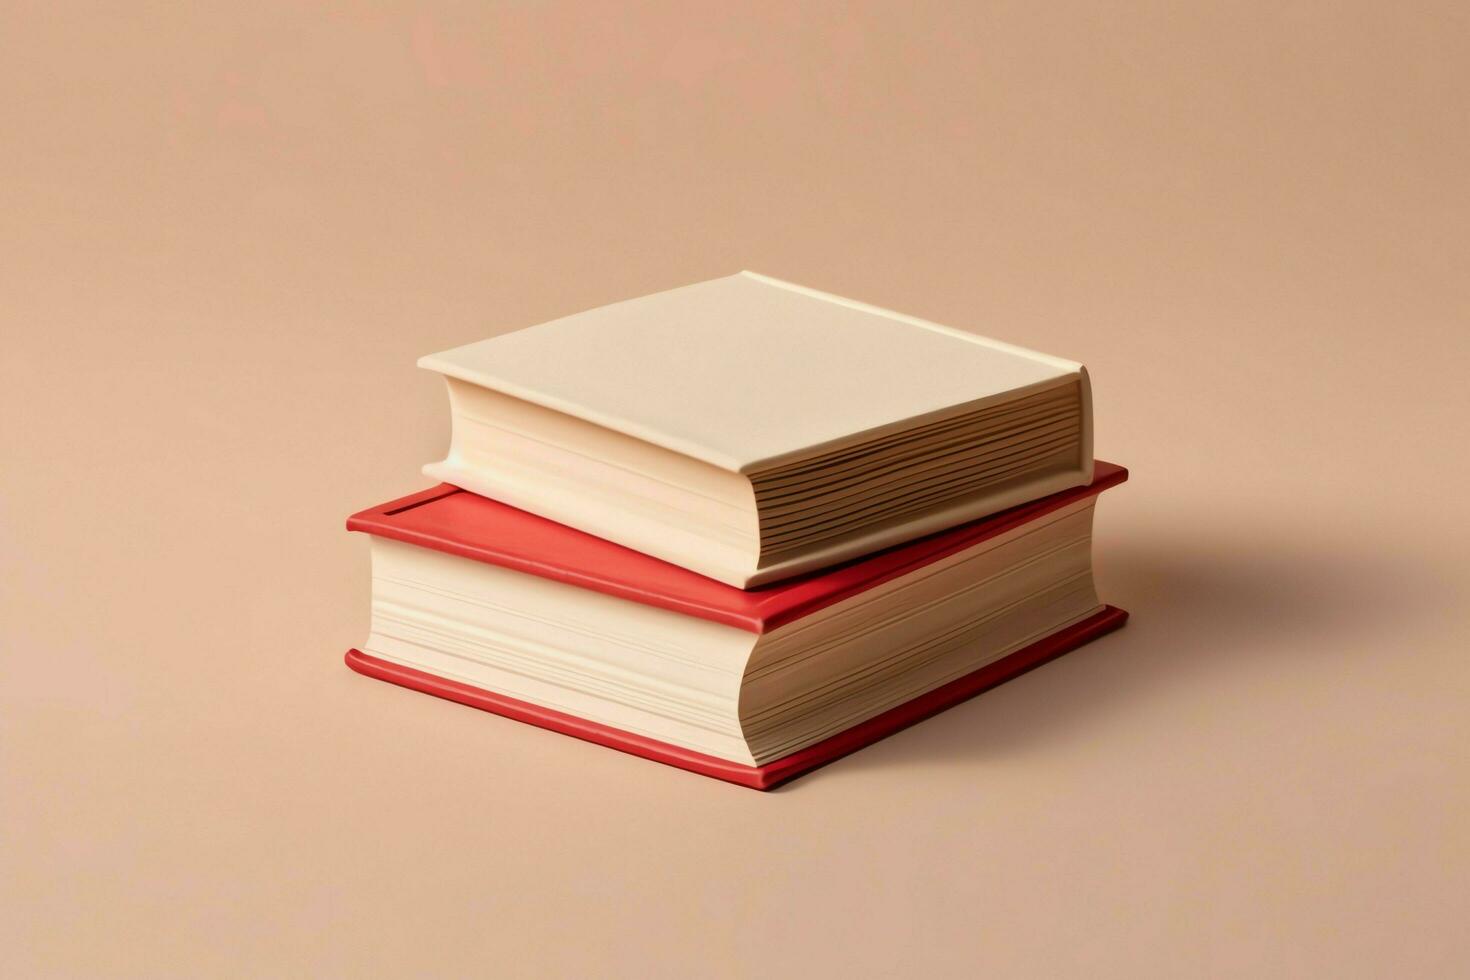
x: 452, y: 521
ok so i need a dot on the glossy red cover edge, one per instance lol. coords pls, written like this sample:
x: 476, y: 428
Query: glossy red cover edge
x: 454, y: 521
x: 772, y: 774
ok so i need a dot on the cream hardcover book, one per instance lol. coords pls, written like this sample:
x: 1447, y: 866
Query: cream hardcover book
x: 750, y: 430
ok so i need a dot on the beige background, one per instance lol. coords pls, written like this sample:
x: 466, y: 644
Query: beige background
x: 227, y: 230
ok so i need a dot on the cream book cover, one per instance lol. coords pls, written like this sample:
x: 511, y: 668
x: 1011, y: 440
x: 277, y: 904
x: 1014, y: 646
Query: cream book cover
x: 749, y: 429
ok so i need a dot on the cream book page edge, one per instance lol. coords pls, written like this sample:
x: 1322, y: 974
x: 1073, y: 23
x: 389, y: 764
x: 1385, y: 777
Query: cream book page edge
x: 659, y: 539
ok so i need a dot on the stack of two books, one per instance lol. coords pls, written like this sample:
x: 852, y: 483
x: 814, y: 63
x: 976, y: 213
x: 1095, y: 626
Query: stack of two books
x: 742, y: 527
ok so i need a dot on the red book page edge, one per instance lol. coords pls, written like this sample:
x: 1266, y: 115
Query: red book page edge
x: 771, y: 774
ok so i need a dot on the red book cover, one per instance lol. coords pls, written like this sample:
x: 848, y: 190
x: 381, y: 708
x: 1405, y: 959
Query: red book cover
x: 454, y: 521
